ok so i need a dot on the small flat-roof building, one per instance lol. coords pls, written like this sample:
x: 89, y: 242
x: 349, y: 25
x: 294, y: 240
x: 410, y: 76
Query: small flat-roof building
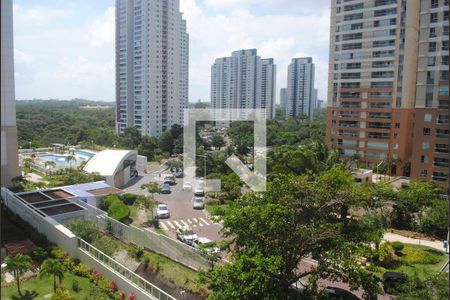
x: 92, y: 192
x: 118, y: 167
x: 362, y: 175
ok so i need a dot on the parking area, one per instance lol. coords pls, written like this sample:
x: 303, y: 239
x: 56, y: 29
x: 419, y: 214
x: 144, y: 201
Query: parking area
x: 180, y: 206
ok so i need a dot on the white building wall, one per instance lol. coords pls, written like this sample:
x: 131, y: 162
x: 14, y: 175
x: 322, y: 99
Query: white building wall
x: 9, y: 156
x: 152, y: 65
x: 243, y: 80
x: 300, y: 87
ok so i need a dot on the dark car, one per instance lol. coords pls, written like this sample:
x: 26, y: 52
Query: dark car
x: 165, y: 189
x: 178, y: 173
x: 338, y: 293
x: 393, y: 280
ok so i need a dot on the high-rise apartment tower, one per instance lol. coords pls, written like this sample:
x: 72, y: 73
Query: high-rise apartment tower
x: 388, y: 84
x: 152, y: 57
x: 9, y: 156
x: 244, y: 80
x: 300, y: 87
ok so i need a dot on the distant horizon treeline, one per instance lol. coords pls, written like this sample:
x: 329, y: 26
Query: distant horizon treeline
x: 42, y: 122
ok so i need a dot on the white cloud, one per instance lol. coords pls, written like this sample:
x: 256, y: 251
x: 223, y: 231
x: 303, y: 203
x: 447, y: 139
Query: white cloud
x: 278, y: 36
x: 101, y: 30
x: 66, y: 52
x: 38, y: 15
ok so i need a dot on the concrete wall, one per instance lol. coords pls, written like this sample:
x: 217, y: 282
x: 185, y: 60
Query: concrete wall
x: 64, y: 238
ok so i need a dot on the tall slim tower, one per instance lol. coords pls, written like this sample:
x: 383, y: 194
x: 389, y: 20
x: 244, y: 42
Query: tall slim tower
x: 244, y: 80
x: 152, y: 54
x: 300, y: 87
x: 9, y: 156
x: 388, y: 84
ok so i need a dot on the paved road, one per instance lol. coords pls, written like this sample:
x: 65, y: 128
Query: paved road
x: 180, y: 207
x: 392, y: 237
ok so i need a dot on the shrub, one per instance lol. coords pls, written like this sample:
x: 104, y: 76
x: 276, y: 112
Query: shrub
x: 61, y: 295
x: 106, y: 244
x: 135, y: 252
x: 86, y: 230
x: 108, y: 200
x: 69, y: 263
x: 58, y: 253
x: 132, y: 296
x: 113, y: 286
x: 81, y: 270
x: 75, y: 286
x: 128, y: 198
x: 119, y: 211
x: 397, y: 246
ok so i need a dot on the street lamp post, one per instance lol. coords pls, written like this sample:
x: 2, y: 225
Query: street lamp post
x: 4, y: 265
x: 204, y: 165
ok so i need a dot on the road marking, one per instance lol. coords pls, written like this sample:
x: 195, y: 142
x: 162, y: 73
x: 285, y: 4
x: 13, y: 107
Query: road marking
x: 164, y: 226
x: 170, y: 224
x: 195, y: 220
x: 189, y: 221
x: 178, y: 224
x: 203, y: 220
x: 200, y: 224
x: 184, y: 223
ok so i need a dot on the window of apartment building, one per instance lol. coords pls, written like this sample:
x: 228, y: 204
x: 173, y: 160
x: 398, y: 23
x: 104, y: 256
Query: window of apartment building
x: 433, y: 17
x: 424, y: 159
x: 433, y: 32
x: 427, y: 131
x: 434, y: 3
x: 431, y: 61
x: 425, y: 145
x: 423, y: 173
x: 432, y: 47
x: 444, y: 61
x: 430, y: 77
x: 397, y: 125
x: 354, y: 7
x: 444, y: 45
x: 446, y: 2
x: 427, y: 117
x: 383, y: 23
x: 446, y: 15
x: 443, y: 90
x: 442, y: 119
x: 444, y: 75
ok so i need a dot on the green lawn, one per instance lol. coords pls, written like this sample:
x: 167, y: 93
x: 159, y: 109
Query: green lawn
x: 38, y: 287
x: 180, y: 275
x: 414, y: 261
x: 215, y: 210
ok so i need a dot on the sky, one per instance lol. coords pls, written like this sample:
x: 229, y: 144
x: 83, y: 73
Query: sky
x: 65, y: 49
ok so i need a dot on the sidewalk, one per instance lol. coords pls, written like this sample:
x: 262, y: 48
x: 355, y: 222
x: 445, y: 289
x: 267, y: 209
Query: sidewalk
x: 392, y: 237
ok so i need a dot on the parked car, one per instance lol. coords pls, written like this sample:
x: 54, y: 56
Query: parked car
x: 170, y: 179
x: 165, y: 189
x: 198, y: 202
x: 199, y: 191
x: 341, y: 294
x: 162, y: 211
x: 186, y: 235
x: 187, y: 186
x: 178, y: 173
x: 209, y: 247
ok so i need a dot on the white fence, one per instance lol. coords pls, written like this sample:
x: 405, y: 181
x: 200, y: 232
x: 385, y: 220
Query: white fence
x: 124, y: 271
x: 127, y: 280
x: 153, y: 241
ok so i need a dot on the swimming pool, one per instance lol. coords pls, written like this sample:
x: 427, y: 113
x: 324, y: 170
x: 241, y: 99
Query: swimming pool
x: 60, y: 160
x: 84, y: 153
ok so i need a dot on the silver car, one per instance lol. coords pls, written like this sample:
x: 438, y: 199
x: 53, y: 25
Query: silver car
x: 198, y: 202
x: 162, y: 211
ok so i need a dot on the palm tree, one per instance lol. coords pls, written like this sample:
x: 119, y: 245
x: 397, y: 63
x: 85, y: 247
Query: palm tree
x: 27, y: 162
x: 18, y: 264
x: 70, y: 159
x: 53, y: 267
x: 50, y: 163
